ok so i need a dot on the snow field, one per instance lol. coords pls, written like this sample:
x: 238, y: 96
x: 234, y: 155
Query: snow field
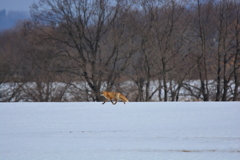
x: 136, y: 130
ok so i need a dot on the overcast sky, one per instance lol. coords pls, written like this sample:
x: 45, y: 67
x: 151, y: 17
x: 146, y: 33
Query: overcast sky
x: 16, y: 5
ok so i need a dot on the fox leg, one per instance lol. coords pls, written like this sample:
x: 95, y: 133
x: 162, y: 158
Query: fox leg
x: 105, y: 101
x: 123, y: 100
x: 116, y: 101
x: 113, y: 102
x: 117, y: 97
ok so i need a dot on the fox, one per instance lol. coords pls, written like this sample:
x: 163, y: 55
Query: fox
x: 113, y: 96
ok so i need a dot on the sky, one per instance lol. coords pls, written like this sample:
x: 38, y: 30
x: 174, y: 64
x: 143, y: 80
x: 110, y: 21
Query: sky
x: 16, y: 5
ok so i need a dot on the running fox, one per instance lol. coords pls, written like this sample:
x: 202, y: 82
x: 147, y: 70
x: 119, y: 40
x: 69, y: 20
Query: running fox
x: 113, y: 96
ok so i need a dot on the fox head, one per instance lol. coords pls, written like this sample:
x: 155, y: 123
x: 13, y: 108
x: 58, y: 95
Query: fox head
x: 102, y: 93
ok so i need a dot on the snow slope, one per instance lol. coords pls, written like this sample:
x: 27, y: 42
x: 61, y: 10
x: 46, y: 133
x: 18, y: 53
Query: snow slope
x: 135, y: 131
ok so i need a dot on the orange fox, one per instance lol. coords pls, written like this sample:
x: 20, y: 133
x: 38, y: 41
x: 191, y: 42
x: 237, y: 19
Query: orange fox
x: 113, y: 96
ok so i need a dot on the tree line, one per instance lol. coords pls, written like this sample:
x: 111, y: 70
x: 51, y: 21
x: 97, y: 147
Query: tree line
x: 71, y: 50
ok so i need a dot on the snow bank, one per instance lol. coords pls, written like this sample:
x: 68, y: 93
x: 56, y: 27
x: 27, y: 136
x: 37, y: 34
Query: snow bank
x: 92, y: 131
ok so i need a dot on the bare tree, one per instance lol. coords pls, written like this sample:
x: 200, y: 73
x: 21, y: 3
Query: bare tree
x: 236, y: 70
x: 227, y: 17
x: 81, y: 27
x: 10, y: 64
x: 143, y: 71
x: 168, y: 43
x: 200, y: 44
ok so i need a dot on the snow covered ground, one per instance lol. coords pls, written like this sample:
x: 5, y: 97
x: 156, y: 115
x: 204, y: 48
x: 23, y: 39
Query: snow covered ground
x: 134, y: 131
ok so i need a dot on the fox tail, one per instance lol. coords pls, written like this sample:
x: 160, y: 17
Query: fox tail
x: 124, y: 99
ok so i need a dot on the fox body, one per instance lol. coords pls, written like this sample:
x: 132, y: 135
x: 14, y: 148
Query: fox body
x: 113, y: 96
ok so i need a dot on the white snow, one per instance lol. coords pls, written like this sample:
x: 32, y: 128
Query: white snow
x: 134, y: 131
